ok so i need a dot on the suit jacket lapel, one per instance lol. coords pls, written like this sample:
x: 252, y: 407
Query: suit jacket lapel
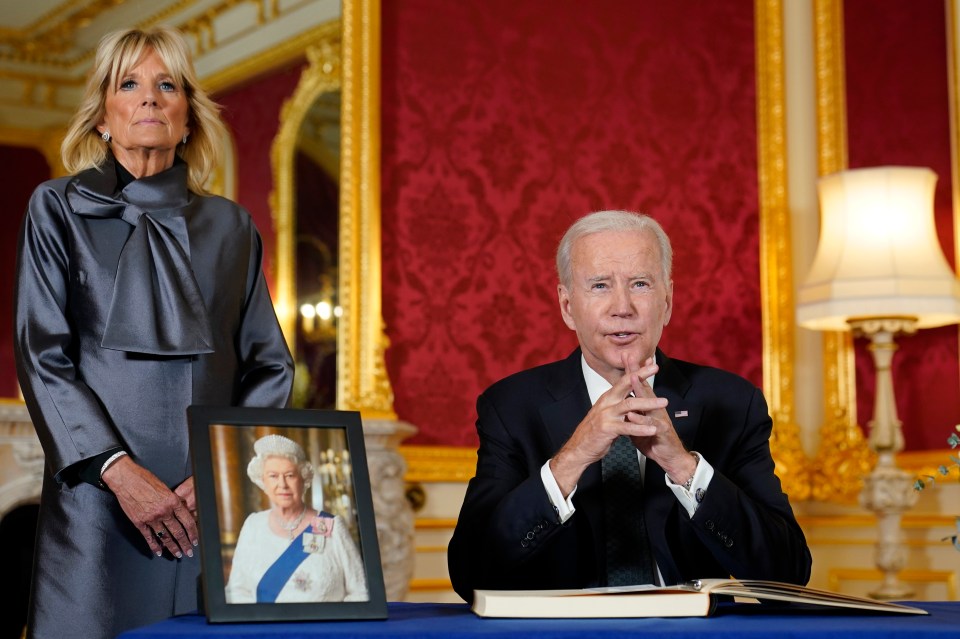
x: 560, y: 418
x: 673, y: 385
x: 571, y: 401
x: 660, y: 502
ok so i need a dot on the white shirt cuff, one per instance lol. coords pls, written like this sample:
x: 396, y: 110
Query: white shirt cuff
x: 564, y: 507
x: 701, y: 480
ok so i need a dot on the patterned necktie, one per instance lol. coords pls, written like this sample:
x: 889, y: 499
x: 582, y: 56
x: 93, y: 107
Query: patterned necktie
x: 629, y: 559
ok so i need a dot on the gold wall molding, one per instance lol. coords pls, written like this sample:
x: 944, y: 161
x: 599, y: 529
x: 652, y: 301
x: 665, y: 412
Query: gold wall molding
x: 439, y: 463
x: 776, y: 272
x: 843, y: 458
x: 435, y: 523
x: 430, y: 585
x: 946, y: 577
x: 909, y: 521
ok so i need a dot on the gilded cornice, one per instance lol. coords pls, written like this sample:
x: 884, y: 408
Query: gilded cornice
x: 776, y: 277
x: 52, y: 39
x: 843, y: 458
x: 283, y: 53
x: 43, y: 65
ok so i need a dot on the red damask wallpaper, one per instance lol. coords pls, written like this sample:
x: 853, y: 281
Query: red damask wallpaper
x: 503, y: 122
x: 898, y: 112
x: 23, y: 170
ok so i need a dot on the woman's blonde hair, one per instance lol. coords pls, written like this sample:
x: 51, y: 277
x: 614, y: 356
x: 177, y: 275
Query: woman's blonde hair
x: 117, y: 54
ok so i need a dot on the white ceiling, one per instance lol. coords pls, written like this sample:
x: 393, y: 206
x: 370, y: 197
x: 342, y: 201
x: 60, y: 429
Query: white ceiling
x: 47, y: 46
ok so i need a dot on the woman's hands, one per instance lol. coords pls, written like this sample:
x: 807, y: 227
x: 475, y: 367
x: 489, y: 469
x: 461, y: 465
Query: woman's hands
x: 164, y: 517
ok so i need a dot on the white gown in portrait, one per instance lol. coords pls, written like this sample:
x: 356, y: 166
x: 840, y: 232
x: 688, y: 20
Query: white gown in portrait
x: 332, y: 570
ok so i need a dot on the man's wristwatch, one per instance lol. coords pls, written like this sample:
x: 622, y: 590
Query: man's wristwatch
x: 687, y: 485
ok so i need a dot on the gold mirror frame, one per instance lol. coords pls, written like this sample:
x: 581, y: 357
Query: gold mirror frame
x: 776, y: 273
x: 346, y: 56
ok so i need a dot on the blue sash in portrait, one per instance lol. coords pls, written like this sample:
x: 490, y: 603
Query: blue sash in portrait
x: 279, y: 573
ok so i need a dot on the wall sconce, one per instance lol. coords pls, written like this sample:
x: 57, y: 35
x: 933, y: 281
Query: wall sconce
x: 879, y: 271
x: 318, y: 320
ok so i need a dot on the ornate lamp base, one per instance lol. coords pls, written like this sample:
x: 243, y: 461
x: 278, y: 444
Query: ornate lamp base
x: 888, y: 492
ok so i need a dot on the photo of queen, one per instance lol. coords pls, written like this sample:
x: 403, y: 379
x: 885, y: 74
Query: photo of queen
x: 290, y: 552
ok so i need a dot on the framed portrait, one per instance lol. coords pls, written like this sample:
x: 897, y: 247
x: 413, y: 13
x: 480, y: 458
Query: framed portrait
x: 287, y: 529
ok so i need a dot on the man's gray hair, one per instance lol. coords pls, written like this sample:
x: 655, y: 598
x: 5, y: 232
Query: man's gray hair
x: 611, y: 221
x: 278, y: 446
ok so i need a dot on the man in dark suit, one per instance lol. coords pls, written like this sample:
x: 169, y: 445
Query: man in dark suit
x: 537, y: 513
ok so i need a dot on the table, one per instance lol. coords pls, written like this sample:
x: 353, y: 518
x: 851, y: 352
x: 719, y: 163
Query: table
x: 455, y: 621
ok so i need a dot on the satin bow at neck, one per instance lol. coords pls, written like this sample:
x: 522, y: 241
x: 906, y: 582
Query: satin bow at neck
x: 157, y: 307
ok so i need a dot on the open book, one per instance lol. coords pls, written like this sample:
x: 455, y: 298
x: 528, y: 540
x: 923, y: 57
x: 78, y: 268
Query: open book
x: 693, y: 599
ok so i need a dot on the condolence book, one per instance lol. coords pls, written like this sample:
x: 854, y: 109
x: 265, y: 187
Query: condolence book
x: 693, y: 599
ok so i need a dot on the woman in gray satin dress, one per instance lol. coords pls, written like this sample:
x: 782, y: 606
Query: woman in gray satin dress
x: 137, y: 295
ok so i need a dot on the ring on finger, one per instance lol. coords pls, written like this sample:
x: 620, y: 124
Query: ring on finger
x: 160, y: 534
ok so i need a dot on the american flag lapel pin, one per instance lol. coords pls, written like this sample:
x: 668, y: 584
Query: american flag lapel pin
x: 680, y: 413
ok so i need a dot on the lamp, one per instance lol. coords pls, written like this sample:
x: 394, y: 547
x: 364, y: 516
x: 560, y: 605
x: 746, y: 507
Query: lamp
x: 879, y: 271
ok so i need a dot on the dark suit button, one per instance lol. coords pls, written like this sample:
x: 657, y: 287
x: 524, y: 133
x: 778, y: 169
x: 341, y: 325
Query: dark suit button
x: 709, y: 524
x: 728, y: 542
x: 530, y: 535
x: 524, y: 543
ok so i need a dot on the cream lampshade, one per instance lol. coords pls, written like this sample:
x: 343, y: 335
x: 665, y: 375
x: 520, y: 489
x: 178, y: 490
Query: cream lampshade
x: 878, y: 255
x: 879, y: 271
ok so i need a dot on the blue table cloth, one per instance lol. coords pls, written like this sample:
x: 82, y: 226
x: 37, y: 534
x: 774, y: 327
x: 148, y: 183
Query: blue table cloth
x: 455, y: 621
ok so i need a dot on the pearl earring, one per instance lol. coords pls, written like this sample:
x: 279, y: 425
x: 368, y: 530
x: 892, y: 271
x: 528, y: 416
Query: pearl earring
x: 106, y: 136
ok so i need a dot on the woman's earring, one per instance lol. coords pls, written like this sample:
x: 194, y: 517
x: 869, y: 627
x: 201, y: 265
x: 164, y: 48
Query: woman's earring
x: 185, y: 138
x: 106, y: 136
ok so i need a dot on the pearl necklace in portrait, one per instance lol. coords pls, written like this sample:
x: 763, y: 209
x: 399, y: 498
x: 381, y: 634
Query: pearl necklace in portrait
x: 292, y: 525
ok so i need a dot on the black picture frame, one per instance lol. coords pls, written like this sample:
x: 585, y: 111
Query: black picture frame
x: 221, y: 447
